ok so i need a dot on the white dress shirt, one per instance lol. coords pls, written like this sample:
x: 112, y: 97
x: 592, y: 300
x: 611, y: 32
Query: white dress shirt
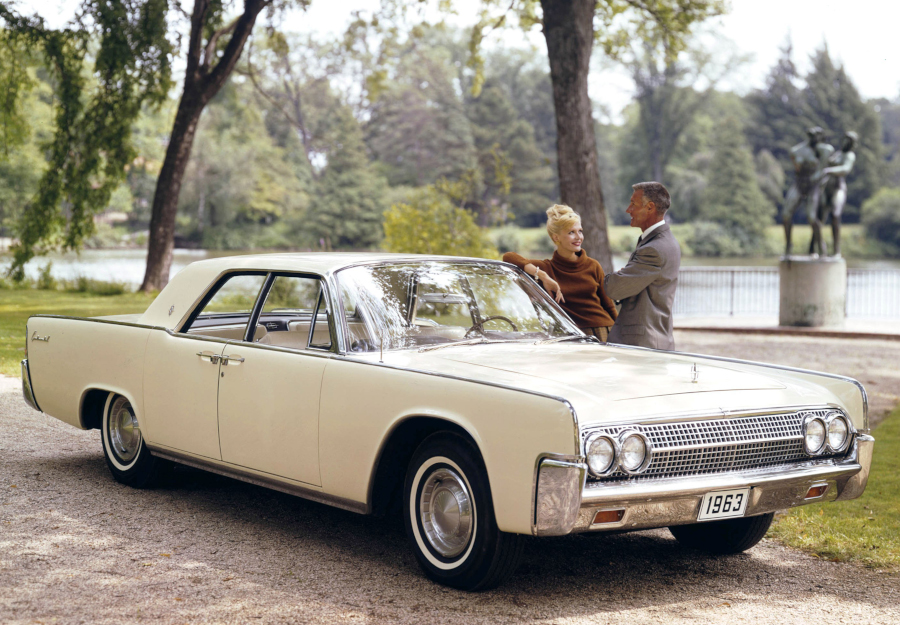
x: 651, y: 229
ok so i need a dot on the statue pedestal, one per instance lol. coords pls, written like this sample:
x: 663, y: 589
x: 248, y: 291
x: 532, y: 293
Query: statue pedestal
x: 813, y: 291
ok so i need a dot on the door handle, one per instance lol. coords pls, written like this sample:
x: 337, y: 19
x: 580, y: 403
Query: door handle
x: 212, y: 358
x: 234, y: 360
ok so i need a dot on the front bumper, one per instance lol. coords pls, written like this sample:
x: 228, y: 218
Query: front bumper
x: 661, y: 503
x: 27, y: 391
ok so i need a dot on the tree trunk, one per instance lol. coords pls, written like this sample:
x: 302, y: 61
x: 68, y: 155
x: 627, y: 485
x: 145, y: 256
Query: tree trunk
x: 168, y: 188
x: 569, y: 31
x: 207, y: 70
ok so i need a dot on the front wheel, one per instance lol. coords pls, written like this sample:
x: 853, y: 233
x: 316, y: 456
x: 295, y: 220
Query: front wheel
x: 127, y: 457
x: 722, y: 537
x: 450, y: 520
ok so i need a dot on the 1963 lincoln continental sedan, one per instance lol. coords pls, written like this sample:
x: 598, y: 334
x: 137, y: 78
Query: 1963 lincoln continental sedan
x: 454, y: 388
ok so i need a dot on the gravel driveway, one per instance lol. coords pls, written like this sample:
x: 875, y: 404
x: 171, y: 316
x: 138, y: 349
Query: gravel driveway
x: 76, y: 547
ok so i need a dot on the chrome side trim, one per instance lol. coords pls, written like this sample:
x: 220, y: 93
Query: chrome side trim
x: 558, y: 495
x: 834, y: 376
x: 266, y: 481
x: 26, y: 387
x: 96, y: 320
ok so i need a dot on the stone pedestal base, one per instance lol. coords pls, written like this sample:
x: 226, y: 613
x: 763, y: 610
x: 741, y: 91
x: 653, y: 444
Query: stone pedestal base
x: 813, y: 291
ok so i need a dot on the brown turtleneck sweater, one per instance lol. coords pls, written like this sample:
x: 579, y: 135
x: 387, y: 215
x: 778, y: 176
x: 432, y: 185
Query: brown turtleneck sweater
x: 581, y: 284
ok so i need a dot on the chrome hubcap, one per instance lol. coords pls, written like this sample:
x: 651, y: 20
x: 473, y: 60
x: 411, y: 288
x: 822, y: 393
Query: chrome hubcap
x: 124, y: 431
x: 445, y: 508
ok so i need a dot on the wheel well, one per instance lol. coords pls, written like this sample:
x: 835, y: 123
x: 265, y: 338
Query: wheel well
x: 395, y: 455
x: 92, y: 408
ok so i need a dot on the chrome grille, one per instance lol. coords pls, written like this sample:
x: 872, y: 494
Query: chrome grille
x: 718, y: 445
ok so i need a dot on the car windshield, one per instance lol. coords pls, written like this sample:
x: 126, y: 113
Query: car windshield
x: 412, y: 305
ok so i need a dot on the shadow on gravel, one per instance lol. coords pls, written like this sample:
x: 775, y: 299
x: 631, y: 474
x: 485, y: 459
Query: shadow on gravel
x: 213, y: 529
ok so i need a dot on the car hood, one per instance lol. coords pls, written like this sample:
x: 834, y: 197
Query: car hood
x: 607, y: 383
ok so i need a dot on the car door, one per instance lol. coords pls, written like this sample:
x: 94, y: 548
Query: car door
x: 269, y: 387
x: 182, y: 369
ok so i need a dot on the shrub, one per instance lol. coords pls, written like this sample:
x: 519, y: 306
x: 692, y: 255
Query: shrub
x: 83, y: 284
x: 881, y: 217
x: 46, y: 281
x: 507, y: 239
x: 431, y: 224
x: 712, y: 239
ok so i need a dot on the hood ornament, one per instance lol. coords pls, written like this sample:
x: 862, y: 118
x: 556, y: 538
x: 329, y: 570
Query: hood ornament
x: 171, y: 310
x: 695, y: 373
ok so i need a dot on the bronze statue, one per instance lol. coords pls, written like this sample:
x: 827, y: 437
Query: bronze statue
x: 833, y: 191
x: 824, y: 152
x: 806, y: 164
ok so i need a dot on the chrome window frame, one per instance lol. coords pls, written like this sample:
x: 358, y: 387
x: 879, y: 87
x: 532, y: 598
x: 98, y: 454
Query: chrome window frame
x: 270, y: 275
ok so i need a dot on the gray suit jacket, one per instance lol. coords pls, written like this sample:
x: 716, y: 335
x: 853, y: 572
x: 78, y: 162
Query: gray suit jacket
x: 646, y: 288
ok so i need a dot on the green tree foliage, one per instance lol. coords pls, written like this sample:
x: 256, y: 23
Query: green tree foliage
x: 22, y: 161
x: 432, y: 222
x: 733, y: 199
x: 833, y: 103
x: 15, y: 83
x: 881, y: 216
x: 778, y: 117
x: 95, y: 105
x: 524, y: 77
x: 515, y: 175
x: 238, y: 178
x: 350, y: 201
x: 890, y: 132
x: 417, y: 129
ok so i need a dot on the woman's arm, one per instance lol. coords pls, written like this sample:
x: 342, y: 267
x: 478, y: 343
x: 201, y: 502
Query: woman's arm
x: 537, y: 270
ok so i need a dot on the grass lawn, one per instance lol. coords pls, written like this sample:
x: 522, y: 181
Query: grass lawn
x: 865, y: 530
x: 16, y: 305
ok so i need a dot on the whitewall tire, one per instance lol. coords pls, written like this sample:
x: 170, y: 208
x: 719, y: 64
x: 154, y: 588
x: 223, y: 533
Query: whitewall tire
x: 449, y: 517
x: 127, y: 456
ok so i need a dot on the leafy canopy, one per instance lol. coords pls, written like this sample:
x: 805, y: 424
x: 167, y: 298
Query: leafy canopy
x: 112, y: 60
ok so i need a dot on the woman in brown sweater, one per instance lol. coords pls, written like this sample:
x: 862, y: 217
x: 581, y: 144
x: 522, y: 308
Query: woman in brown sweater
x: 574, y: 279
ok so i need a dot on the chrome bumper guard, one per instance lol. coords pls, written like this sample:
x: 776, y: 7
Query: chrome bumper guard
x: 26, y: 387
x: 660, y: 503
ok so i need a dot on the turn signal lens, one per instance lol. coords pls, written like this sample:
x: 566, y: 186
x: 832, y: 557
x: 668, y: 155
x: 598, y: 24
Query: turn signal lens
x: 837, y: 433
x: 634, y: 452
x: 814, y: 437
x: 601, y: 454
x: 816, y: 491
x: 608, y: 516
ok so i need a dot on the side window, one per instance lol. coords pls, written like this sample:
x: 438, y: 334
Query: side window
x: 295, y: 314
x: 227, y: 313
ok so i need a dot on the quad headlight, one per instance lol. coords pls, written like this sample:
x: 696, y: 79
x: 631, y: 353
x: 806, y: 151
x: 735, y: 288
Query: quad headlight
x: 813, y: 435
x: 838, y: 431
x: 829, y: 434
x: 634, y: 454
x: 628, y: 451
x: 600, y: 451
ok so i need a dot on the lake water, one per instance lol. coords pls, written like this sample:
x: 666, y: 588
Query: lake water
x: 873, y: 286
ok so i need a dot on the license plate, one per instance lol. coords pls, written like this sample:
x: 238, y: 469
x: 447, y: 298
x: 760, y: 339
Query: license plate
x: 724, y: 504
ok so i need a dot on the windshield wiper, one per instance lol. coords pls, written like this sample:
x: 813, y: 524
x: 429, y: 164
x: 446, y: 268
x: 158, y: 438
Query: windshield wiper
x: 560, y: 339
x: 478, y: 341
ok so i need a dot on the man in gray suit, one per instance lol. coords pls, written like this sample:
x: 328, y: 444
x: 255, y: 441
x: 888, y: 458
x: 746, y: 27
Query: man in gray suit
x: 646, y: 285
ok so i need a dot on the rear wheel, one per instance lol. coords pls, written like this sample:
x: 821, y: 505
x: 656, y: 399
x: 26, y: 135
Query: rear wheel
x: 127, y: 457
x: 728, y: 536
x: 449, y: 517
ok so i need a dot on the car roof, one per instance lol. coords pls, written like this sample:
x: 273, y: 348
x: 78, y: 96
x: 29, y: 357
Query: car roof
x: 174, y: 302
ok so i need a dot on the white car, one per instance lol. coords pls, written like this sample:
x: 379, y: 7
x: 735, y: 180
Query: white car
x: 454, y: 388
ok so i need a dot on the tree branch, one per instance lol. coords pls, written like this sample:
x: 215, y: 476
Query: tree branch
x: 210, y: 50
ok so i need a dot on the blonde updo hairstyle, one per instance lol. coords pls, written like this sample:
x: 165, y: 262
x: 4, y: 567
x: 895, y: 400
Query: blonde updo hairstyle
x: 560, y: 218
